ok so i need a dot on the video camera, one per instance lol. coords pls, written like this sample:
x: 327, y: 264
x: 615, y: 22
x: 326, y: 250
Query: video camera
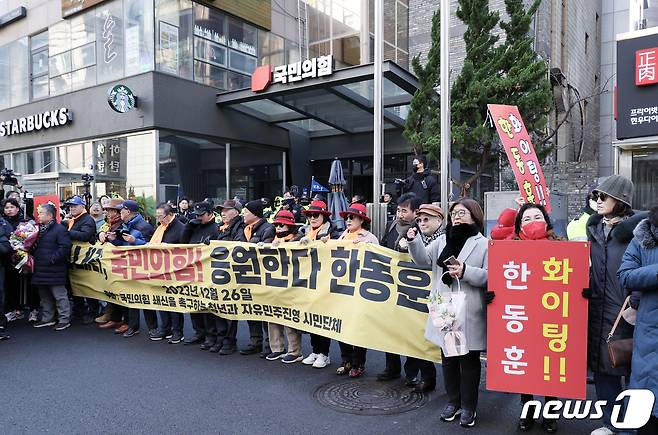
x: 8, y: 177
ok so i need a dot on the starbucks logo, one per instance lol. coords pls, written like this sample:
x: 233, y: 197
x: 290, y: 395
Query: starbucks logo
x: 121, y: 99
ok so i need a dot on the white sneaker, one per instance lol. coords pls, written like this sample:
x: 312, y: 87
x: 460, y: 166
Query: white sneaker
x: 602, y: 431
x: 34, y: 316
x: 321, y: 362
x: 309, y: 360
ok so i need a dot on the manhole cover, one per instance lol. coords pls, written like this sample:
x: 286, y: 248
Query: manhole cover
x: 366, y: 396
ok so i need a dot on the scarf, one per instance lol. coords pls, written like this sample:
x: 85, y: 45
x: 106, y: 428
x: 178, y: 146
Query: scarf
x: 286, y: 236
x: 429, y: 239
x: 401, y: 227
x: 45, y: 227
x: 158, y: 234
x: 609, y: 223
x: 456, y: 237
x: 249, y: 230
x: 351, y: 235
x: 115, y: 222
x: 72, y: 220
x: 313, y: 233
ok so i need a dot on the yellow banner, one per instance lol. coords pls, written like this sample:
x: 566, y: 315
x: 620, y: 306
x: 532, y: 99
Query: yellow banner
x: 362, y: 294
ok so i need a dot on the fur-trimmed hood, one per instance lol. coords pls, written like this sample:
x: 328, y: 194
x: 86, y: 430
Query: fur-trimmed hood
x: 623, y: 231
x: 646, y: 234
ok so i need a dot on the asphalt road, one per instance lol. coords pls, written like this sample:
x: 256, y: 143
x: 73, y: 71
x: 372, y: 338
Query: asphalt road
x: 85, y: 380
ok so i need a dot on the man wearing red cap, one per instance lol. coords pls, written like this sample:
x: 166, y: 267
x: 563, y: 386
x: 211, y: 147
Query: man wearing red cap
x: 319, y: 227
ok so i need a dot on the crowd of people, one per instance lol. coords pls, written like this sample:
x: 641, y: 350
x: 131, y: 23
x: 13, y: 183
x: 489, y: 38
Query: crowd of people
x: 452, y: 244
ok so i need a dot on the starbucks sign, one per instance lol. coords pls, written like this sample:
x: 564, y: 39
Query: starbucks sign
x: 121, y: 99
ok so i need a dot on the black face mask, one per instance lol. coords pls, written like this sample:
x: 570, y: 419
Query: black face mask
x: 415, y: 168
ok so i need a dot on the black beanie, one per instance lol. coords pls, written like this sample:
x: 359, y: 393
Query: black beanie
x: 255, y: 207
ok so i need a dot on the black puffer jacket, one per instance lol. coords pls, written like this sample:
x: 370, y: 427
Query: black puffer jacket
x: 196, y: 232
x: 234, y: 232
x: 5, y: 232
x: 83, y: 229
x: 50, y: 256
x: 607, y: 293
x: 424, y: 185
x: 174, y: 232
x: 262, y: 232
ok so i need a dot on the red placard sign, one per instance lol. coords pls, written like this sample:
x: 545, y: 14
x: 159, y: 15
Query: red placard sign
x: 45, y: 199
x: 521, y: 153
x: 537, y: 323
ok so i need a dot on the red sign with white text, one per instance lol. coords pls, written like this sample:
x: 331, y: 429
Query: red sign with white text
x: 646, y: 64
x: 521, y: 153
x: 45, y: 199
x: 537, y: 322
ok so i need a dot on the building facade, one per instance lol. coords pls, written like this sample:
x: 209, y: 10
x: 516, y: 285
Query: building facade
x: 176, y: 56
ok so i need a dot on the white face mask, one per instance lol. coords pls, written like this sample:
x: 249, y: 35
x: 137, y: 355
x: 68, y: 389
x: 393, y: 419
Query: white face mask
x: 592, y: 204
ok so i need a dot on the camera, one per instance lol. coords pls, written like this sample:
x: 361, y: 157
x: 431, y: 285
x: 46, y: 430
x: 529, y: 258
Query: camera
x: 8, y: 177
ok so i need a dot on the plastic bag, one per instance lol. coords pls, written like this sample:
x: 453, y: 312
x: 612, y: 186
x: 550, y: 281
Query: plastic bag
x: 446, y: 323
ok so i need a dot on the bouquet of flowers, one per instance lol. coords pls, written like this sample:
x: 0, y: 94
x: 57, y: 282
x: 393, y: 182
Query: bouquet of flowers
x: 21, y: 241
x: 447, y: 320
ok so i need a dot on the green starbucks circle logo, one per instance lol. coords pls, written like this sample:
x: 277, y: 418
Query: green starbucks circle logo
x: 121, y: 99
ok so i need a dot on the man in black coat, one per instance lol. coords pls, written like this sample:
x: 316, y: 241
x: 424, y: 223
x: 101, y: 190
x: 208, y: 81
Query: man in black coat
x: 232, y: 230
x: 201, y: 229
x: 257, y: 230
x: 422, y: 183
x: 169, y: 230
x: 395, y: 238
x: 50, y: 270
x: 82, y: 228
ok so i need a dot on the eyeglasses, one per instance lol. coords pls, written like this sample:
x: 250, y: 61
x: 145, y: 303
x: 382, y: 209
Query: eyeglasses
x: 458, y: 213
x: 313, y: 215
x: 599, y: 195
x: 280, y: 225
x: 422, y: 220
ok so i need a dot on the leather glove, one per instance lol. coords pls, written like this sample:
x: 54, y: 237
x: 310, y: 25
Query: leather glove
x: 489, y: 297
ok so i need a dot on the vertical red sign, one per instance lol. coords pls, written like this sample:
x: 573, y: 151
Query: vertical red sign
x: 646, y: 66
x: 537, y: 323
x: 45, y: 199
x: 521, y: 153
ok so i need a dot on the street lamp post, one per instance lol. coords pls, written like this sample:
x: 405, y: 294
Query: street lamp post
x: 445, y: 102
x: 378, y: 123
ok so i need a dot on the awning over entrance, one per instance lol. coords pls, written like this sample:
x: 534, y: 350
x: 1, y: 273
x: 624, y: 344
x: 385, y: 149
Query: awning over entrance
x: 338, y: 104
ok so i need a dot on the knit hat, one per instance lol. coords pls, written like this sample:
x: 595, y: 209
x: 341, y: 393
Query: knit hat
x: 255, y: 207
x: 619, y: 187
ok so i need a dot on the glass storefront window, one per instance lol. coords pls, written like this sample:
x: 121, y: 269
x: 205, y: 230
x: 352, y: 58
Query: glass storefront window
x: 14, y: 73
x: 241, y: 63
x: 83, y: 56
x: 209, y: 52
x: 238, y: 81
x: 271, y: 49
x: 210, y: 75
x: 175, y: 22
x: 645, y: 177
x: 138, y: 42
x: 255, y: 173
x: 59, y: 37
x: 60, y: 64
x: 242, y: 36
x: 209, y: 24
x: 83, y: 29
x: 109, y: 42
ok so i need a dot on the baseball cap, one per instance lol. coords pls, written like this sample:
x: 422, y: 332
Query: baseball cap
x: 131, y: 205
x: 75, y: 200
x: 202, y: 208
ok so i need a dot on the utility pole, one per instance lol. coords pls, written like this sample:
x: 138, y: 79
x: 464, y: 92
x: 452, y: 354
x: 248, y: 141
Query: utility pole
x: 445, y: 102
